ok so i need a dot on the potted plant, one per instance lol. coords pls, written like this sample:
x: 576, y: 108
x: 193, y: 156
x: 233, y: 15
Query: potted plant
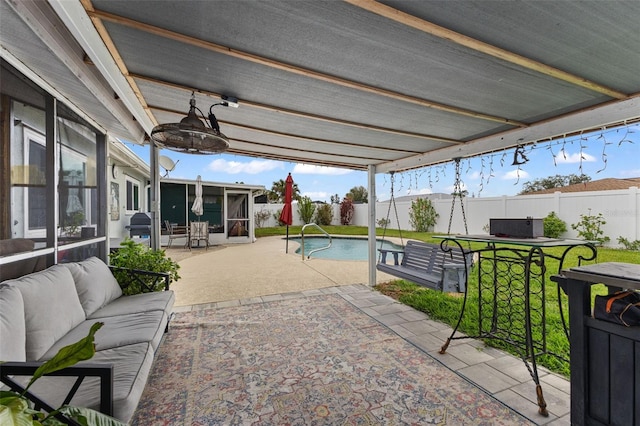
x: 132, y: 255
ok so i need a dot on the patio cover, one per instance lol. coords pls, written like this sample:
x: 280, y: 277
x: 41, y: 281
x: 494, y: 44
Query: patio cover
x: 393, y: 85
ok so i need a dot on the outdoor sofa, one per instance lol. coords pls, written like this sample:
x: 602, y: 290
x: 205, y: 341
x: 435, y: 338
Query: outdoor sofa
x: 47, y: 310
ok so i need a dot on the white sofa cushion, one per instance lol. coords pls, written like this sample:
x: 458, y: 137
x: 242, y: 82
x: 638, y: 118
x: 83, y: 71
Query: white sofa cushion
x: 51, y: 308
x: 131, y: 368
x: 117, y: 331
x: 12, y: 326
x: 95, y: 284
x: 136, y: 303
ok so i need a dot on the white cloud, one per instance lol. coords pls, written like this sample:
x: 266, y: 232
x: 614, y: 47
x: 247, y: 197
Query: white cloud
x: 515, y: 174
x: 421, y: 191
x: 315, y: 196
x: 630, y: 173
x: 566, y: 158
x: 253, y: 167
x: 309, y: 169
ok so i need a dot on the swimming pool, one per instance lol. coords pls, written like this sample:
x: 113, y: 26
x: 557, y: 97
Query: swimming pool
x: 342, y: 248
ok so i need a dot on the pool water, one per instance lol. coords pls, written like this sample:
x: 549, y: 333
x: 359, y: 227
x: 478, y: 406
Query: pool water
x: 341, y: 248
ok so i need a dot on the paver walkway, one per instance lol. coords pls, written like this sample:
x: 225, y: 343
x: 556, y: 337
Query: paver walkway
x: 260, y: 272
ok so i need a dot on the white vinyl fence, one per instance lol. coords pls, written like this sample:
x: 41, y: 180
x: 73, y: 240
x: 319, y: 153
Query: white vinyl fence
x: 620, y: 210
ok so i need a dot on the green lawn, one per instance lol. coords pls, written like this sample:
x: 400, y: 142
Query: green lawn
x: 446, y: 307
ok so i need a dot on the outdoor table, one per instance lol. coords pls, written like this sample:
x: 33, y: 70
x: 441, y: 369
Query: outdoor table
x: 511, y: 293
x: 605, y: 357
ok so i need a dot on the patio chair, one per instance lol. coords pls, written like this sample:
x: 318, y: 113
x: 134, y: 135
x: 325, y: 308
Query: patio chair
x: 176, y: 232
x: 199, y: 232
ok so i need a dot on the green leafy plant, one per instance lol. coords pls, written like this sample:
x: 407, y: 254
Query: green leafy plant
x: 422, y: 215
x: 276, y: 216
x: 629, y: 245
x: 553, y: 226
x: 324, y: 214
x: 133, y: 255
x: 306, y: 208
x: 590, y: 228
x: 346, y: 211
x: 17, y: 409
x: 72, y: 223
x: 383, y: 222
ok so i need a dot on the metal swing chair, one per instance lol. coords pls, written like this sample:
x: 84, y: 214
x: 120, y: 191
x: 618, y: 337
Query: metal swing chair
x: 441, y: 267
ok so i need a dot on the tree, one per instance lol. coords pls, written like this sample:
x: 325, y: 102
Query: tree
x: 335, y: 199
x: 550, y: 182
x: 358, y: 194
x: 276, y: 194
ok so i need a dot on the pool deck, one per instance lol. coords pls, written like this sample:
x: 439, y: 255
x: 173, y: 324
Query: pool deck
x: 262, y: 268
x: 260, y: 272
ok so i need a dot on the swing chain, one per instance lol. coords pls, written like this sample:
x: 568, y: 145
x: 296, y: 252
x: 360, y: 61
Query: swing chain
x: 457, y: 192
x: 395, y: 209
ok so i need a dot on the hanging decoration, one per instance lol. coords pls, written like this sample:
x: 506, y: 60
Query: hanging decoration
x: 523, y: 152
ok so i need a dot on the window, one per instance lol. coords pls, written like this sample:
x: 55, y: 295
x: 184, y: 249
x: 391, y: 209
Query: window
x: 33, y: 179
x: 77, y: 180
x: 133, y: 196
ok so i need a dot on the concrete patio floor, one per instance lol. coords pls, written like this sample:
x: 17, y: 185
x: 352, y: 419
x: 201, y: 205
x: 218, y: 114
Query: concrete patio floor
x: 259, y: 272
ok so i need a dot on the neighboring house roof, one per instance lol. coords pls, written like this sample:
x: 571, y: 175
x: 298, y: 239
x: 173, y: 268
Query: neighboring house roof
x: 608, y: 184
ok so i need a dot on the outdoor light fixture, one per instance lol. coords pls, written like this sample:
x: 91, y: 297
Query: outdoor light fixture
x: 191, y: 135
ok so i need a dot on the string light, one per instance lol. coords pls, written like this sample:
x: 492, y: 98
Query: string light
x: 607, y: 136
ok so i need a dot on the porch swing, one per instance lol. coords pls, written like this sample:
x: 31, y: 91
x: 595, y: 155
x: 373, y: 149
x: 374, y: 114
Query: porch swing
x: 439, y: 267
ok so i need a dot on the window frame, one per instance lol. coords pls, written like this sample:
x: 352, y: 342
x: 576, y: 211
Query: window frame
x: 31, y: 135
x: 133, y: 185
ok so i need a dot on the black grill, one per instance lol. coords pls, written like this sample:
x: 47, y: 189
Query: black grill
x: 140, y: 225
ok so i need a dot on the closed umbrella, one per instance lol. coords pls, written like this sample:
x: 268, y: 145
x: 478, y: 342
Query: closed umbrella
x: 286, y: 215
x: 197, y: 207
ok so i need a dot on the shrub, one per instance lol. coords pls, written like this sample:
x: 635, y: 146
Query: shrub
x: 261, y: 217
x: 629, y: 245
x: 276, y: 216
x: 590, y: 228
x: 553, y: 226
x: 306, y: 208
x: 324, y: 214
x: 384, y: 222
x: 346, y: 211
x: 422, y: 215
x: 133, y: 255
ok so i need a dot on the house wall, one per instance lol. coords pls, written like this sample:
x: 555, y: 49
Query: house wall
x: 620, y: 210
x: 176, y: 199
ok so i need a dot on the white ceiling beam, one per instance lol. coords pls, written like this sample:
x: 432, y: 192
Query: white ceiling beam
x: 79, y: 24
x: 589, y: 118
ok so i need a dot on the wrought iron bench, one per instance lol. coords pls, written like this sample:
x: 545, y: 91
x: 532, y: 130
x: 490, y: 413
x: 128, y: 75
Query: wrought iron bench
x: 428, y: 265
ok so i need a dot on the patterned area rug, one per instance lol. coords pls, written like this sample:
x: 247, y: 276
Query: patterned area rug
x: 308, y: 361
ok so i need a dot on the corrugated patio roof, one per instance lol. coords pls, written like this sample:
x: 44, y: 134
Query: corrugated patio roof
x: 393, y: 84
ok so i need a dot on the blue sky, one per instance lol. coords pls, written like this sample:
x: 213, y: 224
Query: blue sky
x: 608, y: 153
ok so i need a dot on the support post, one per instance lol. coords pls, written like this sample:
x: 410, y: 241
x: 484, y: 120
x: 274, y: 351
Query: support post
x: 372, y: 223
x: 154, y: 157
